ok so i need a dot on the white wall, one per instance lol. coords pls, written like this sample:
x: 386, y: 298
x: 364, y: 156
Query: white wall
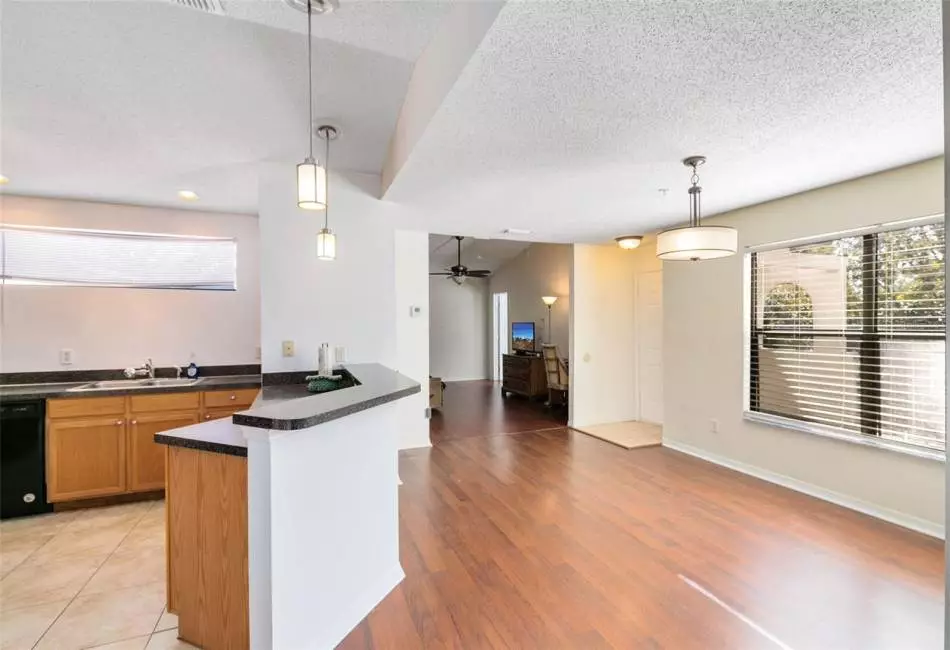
x: 705, y: 342
x: 459, y: 329
x: 603, y: 331
x: 540, y: 270
x: 117, y: 328
x: 412, y: 333
x: 356, y: 300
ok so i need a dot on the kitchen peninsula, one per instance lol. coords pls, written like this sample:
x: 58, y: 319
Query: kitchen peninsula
x: 282, y: 522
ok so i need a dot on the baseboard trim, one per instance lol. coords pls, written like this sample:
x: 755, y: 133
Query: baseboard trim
x: 892, y: 516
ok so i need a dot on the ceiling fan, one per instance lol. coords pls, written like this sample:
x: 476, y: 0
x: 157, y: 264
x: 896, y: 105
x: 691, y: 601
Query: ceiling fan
x: 458, y: 273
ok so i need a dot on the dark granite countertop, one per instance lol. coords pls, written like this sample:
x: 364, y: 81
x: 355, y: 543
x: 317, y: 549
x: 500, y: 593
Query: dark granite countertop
x: 20, y: 392
x: 292, y: 407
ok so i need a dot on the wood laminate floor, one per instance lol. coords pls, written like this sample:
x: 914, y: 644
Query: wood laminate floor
x: 477, y: 408
x: 553, y: 539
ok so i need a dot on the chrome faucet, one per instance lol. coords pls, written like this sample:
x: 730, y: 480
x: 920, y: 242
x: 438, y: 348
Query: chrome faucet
x: 147, y: 370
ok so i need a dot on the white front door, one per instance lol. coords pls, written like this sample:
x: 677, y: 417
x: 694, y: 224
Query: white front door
x: 649, y: 325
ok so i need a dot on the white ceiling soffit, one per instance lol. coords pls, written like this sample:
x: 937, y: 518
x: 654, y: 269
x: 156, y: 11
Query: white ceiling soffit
x: 132, y: 101
x: 569, y: 122
x: 399, y: 29
x: 489, y: 254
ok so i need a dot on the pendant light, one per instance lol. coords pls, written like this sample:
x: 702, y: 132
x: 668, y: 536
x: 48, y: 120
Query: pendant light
x: 311, y: 177
x: 326, y: 240
x: 696, y: 242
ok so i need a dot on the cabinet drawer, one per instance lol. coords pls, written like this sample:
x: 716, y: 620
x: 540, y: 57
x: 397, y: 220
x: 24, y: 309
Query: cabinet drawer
x: 164, y: 402
x: 239, y: 397
x: 517, y: 385
x: 85, y: 406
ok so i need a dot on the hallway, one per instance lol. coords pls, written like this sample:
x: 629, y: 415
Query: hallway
x: 477, y: 408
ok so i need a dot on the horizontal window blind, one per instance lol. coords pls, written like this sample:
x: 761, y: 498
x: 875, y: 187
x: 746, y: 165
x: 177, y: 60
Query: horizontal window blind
x: 90, y: 258
x: 849, y: 333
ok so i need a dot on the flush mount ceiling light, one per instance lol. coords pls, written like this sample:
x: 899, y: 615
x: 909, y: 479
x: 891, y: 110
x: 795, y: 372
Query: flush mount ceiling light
x: 318, y: 6
x: 311, y: 177
x: 187, y: 195
x: 629, y: 242
x: 696, y: 242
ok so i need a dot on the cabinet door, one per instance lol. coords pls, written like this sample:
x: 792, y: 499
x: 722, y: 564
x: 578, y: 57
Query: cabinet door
x: 146, y: 457
x: 222, y: 412
x: 85, y: 458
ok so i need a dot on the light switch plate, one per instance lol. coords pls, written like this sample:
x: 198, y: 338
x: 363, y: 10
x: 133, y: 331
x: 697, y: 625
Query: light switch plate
x: 339, y: 354
x: 287, y: 348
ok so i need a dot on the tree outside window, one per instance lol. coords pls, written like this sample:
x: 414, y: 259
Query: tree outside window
x: 788, y: 308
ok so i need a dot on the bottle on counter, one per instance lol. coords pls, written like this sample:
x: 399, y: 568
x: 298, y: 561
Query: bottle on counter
x: 324, y: 362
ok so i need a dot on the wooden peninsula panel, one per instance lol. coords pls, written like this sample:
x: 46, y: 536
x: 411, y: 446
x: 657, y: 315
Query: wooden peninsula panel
x: 207, y: 548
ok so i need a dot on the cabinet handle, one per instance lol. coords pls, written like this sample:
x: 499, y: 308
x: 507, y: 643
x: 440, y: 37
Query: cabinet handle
x: 233, y: 397
x: 118, y: 423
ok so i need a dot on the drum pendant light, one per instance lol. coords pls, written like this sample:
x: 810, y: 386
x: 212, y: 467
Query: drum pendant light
x: 696, y: 242
x: 311, y: 177
x: 326, y: 240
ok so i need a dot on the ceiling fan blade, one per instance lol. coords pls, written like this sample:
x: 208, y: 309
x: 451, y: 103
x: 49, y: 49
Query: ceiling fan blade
x: 442, y: 273
x: 478, y: 273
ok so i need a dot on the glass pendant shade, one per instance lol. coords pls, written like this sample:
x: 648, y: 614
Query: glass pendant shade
x: 326, y: 245
x: 311, y: 185
x: 694, y: 243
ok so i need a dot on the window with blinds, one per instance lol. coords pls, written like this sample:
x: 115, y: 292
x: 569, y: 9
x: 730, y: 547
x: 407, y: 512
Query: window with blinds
x: 849, y: 334
x: 89, y: 258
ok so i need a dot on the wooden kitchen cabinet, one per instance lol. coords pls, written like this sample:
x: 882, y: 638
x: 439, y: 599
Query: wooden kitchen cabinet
x: 221, y: 412
x: 103, y: 446
x: 146, y: 458
x: 85, y: 458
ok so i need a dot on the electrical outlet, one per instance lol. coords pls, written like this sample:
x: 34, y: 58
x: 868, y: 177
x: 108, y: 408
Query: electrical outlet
x: 339, y: 354
x: 66, y: 357
x: 257, y: 353
x: 714, y: 426
x: 287, y: 348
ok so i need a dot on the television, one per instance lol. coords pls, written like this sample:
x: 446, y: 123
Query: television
x: 522, y: 337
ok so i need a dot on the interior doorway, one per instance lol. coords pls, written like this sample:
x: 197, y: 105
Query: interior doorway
x: 500, y: 332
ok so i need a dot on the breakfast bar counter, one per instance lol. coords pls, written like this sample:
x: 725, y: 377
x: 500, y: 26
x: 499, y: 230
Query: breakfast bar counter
x: 283, y: 522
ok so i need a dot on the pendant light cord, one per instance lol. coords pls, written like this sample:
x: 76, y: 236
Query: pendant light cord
x: 310, y: 72
x: 326, y: 170
x: 694, y: 199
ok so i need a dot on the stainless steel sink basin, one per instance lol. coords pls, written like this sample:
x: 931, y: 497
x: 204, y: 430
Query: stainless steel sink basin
x: 126, y: 384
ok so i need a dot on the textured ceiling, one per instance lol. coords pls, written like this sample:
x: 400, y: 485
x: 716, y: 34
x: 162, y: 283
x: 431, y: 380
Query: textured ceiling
x: 130, y: 101
x: 400, y: 29
x: 488, y: 254
x: 568, y: 122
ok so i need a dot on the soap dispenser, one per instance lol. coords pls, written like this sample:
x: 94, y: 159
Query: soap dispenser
x: 324, y: 362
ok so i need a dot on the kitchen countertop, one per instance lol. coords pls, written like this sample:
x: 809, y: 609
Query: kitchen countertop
x: 292, y: 407
x: 19, y: 392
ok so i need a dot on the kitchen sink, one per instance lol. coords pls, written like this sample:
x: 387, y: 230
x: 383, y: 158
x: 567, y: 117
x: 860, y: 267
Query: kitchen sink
x: 126, y: 384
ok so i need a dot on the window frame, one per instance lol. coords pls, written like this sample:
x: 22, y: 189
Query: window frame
x: 868, y: 341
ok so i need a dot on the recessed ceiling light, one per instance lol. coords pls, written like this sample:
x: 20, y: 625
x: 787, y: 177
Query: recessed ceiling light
x: 187, y: 195
x: 4, y: 180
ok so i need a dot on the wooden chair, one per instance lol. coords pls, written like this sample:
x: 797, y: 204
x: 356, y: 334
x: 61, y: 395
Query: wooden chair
x: 558, y: 378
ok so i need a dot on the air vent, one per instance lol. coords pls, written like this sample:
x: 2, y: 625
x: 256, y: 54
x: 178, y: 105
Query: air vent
x: 207, y: 6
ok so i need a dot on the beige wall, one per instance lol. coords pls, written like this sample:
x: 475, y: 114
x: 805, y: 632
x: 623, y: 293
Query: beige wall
x: 117, y: 328
x: 604, y: 321
x: 459, y: 329
x: 705, y: 342
x: 540, y: 270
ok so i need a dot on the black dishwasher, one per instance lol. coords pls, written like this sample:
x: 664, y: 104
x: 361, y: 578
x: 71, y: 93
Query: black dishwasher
x: 22, y: 459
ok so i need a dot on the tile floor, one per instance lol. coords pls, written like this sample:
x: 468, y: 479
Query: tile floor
x: 86, y: 579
